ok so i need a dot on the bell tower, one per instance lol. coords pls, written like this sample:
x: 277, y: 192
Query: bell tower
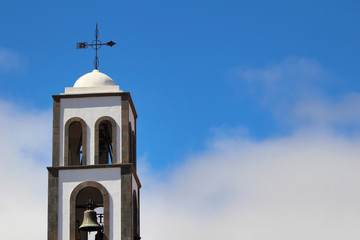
x: 93, y: 188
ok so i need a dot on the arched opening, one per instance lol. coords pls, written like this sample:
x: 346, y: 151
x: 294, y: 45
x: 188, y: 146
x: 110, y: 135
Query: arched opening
x: 105, y: 143
x: 75, y: 143
x: 136, y: 230
x: 132, y: 146
x: 79, y: 200
x: 82, y: 199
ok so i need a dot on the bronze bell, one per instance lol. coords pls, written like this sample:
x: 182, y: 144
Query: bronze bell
x: 90, y: 223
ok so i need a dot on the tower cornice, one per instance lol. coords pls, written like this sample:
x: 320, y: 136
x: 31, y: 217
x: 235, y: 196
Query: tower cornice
x: 124, y: 166
x: 123, y: 95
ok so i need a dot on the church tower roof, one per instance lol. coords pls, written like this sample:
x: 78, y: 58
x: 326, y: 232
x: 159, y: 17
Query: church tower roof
x: 94, y: 79
x: 93, y: 82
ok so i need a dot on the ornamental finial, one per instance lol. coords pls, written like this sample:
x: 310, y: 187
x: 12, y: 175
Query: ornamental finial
x: 96, y: 45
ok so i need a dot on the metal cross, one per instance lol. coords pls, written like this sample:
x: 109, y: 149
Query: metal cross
x: 96, y: 45
x: 100, y: 216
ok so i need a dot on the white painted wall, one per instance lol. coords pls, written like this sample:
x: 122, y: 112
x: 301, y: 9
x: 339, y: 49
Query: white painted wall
x: 90, y: 110
x: 110, y: 178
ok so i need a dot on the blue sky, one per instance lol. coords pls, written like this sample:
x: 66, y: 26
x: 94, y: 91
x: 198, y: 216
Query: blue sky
x: 208, y: 78
x: 177, y: 58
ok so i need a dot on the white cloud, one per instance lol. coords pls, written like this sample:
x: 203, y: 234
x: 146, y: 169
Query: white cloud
x: 290, y: 80
x: 344, y: 111
x: 296, y: 91
x: 11, y: 60
x: 25, y: 146
x: 305, y: 186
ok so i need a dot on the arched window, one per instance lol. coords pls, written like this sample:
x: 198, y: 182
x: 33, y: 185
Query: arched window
x: 75, y: 142
x: 105, y: 141
x: 78, y: 201
x: 132, y: 146
x: 136, y: 230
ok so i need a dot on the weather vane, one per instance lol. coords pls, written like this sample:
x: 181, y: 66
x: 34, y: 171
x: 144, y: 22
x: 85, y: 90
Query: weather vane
x: 96, y: 45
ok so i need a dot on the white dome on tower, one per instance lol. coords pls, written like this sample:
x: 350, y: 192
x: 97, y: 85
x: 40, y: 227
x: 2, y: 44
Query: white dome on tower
x: 94, y: 79
x: 93, y: 82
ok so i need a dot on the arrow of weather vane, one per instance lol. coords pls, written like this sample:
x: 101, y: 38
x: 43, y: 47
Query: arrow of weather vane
x: 96, y: 45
